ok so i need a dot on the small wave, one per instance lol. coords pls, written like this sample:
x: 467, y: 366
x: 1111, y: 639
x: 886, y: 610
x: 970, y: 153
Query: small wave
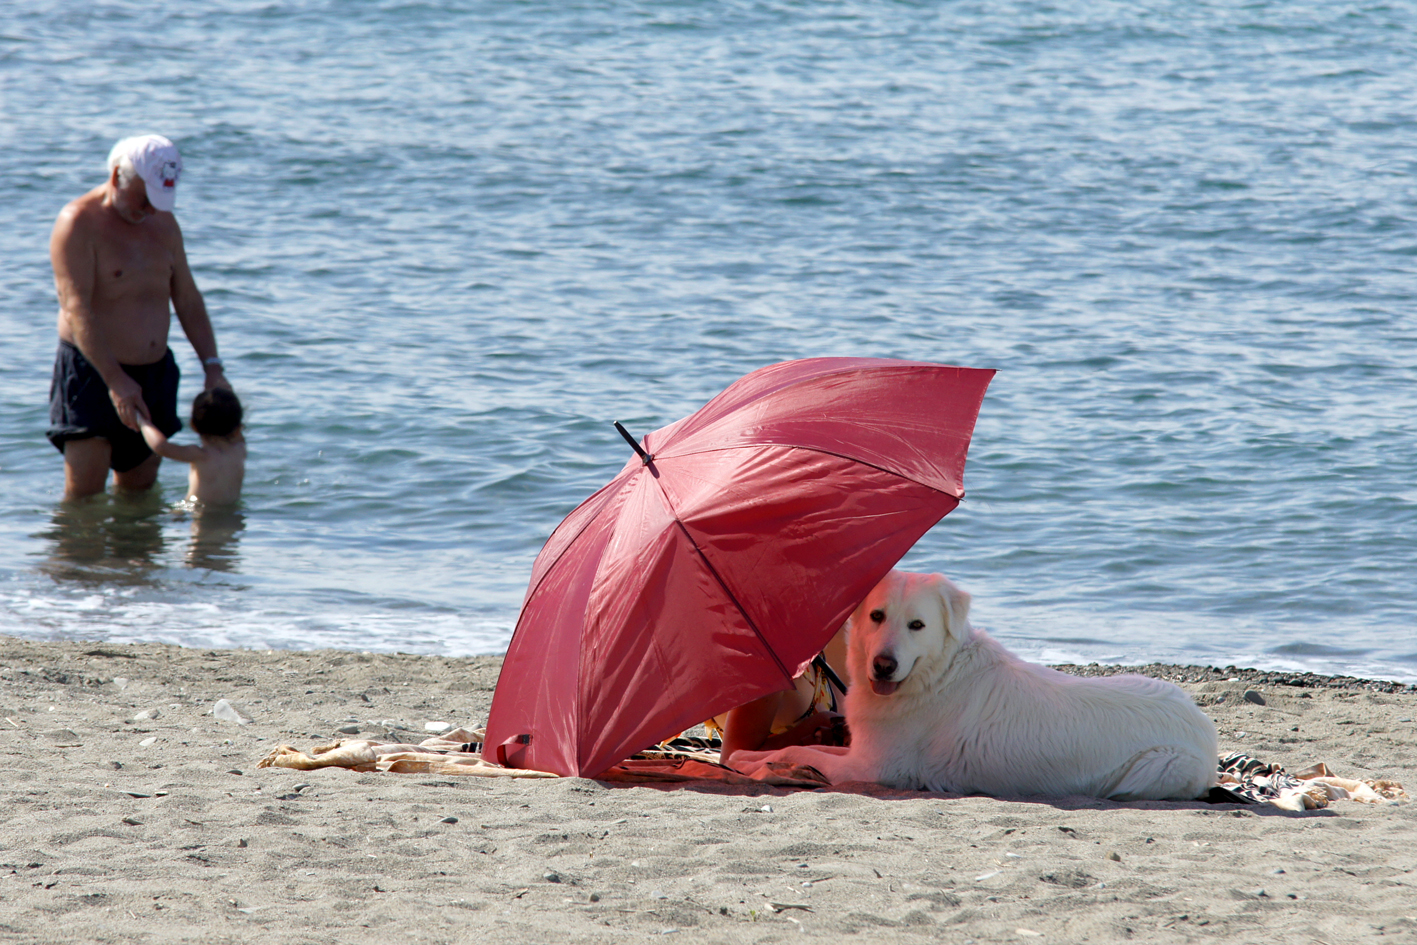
x: 1315, y: 649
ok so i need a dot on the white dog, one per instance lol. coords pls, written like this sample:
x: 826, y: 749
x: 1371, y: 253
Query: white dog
x: 935, y: 704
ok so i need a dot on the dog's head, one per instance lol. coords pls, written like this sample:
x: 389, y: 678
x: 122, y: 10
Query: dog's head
x: 907, y: 629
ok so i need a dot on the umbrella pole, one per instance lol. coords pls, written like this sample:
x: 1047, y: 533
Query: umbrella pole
x: 634, y: 444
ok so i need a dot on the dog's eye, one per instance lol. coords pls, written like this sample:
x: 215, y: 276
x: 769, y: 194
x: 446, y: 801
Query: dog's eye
x: 878, y: 616
x: 916, y: 624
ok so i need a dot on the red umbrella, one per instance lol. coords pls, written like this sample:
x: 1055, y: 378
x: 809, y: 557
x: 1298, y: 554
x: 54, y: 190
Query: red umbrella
x: 727, y: 553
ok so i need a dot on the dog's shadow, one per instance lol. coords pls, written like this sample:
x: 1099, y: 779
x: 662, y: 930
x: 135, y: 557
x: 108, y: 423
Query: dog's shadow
x: 1217, y: 804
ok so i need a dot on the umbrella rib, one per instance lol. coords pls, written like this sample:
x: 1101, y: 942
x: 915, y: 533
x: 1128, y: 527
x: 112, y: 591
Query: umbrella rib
x: 724, y: 586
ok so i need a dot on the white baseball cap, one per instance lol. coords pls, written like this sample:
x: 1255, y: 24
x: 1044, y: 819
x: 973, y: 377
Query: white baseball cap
x: 157, y: 162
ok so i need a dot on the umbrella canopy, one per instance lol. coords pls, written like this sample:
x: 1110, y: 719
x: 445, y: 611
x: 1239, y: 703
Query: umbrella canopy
x: 724, y: 557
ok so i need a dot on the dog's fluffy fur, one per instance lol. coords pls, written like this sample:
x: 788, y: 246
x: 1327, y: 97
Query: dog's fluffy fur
x: 935, y: 704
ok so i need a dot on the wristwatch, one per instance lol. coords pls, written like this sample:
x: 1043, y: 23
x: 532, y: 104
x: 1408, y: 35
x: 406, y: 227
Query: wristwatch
x: 211, y: 362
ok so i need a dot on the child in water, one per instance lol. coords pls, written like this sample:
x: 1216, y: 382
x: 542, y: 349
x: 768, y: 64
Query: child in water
x: 219, y: 464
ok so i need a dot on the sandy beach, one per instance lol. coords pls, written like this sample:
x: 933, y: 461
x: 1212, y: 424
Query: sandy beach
x: 134, y: 814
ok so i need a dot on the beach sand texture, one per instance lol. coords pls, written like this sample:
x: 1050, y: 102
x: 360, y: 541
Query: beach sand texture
x: 133, y: 814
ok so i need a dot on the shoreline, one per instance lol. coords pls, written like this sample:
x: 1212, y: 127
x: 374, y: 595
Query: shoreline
x: 1174, y: 672
x: 136, y: 815
x: 1186, y: 673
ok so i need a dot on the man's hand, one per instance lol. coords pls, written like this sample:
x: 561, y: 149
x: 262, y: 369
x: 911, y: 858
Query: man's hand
x: 215, y: 377
x: 127, y: 397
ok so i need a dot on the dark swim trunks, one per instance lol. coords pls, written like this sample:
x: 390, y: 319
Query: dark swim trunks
x: 79, y: 405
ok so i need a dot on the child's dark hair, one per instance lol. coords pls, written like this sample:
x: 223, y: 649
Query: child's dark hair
x: 216, y: 412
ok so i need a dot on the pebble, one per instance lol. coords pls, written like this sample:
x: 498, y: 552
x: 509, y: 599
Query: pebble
x: 1255, y: 697
x: 150, y: 740
x: 552, y: 877
x: 449, y: 820
x: 348, y: 730
x: 147, y: 714
x: 1115, y: 856
x: 436, y: 726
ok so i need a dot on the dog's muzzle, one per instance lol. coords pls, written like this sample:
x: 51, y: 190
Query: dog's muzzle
x: 883, y: 667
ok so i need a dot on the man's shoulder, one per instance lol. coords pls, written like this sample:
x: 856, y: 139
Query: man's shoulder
x: 80, y: 214
x: 87, y: 204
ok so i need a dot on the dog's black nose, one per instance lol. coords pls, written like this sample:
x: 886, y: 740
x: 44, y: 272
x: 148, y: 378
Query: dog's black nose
x: 884, y: 667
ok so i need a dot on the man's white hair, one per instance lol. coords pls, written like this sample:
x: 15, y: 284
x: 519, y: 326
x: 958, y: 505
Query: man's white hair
x: 126, y: 171
x: 120, y: 159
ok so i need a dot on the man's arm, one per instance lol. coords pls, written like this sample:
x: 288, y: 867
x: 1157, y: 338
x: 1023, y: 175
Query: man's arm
x: 749, y: 725
x: 160, y: 445
x: 191, y: 311
x: 75, y: 261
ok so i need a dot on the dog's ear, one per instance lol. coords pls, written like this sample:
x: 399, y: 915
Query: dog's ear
x: 954, y: 604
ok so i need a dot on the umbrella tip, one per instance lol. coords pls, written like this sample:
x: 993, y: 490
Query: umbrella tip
x: 634, y: 444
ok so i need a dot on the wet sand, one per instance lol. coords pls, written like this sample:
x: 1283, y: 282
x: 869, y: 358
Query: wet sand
x: 133, y: 814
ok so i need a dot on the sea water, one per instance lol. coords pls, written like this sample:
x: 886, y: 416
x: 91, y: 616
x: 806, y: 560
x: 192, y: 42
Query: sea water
x: 445, y: 244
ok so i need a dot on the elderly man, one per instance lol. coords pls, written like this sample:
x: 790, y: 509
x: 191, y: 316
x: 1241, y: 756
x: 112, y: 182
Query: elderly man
x: 118, y: 265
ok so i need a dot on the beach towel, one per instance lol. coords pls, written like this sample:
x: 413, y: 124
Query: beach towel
x: 1243, y: 779
x: 1248, y: 780
x: 459, y: 752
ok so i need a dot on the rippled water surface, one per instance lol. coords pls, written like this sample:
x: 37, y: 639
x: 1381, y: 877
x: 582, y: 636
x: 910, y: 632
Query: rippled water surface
x: 445, y: 244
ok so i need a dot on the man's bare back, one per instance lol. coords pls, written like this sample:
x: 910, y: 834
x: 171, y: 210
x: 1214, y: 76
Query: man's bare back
x: 120, y: 269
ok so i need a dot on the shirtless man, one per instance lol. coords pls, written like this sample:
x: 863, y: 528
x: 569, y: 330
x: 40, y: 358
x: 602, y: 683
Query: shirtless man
x: 118, y: 265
